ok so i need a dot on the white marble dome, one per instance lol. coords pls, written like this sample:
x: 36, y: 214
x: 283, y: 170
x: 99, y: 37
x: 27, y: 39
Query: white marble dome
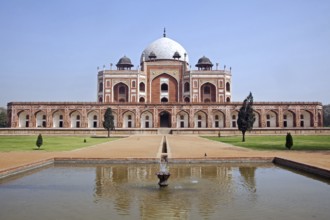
x: 164, y: 48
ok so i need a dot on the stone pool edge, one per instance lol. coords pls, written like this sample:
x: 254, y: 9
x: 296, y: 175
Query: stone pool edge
x: 324, y: 173
x: 25, y: 168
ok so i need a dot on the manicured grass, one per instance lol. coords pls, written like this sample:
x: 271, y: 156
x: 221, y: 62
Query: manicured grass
x: 277, y: 142
x: 50, y: 143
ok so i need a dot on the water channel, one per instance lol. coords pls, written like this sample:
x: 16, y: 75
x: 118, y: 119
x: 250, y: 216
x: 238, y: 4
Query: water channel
x: 195, y: 191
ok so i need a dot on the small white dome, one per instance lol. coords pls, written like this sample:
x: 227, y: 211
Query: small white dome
x: 164, y: 48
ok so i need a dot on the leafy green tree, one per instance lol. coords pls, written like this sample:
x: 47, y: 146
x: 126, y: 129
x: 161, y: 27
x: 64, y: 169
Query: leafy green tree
x: 326, y: 115
x: 288, y: 141
x: 39, y: 141
x: 246, y: 116
x: 108, y: 122
x: 3, y: 118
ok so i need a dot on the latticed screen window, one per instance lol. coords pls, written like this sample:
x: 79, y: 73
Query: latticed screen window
x: 121, y: 90
x: 207, y: 90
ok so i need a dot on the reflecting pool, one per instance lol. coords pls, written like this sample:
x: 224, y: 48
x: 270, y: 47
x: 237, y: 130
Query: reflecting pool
x: 195, y: 191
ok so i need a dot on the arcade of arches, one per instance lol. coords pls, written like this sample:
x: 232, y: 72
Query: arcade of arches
x: 42, y: 115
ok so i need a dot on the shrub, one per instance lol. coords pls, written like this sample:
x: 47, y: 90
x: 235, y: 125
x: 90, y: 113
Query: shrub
x: 39, y: 141
x: 289, y: 141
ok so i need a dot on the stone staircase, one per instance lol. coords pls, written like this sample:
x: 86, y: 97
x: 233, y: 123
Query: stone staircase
x: 164, y: 131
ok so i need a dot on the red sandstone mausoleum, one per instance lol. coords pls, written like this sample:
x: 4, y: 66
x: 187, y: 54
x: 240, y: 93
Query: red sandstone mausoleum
x: 164, y: 91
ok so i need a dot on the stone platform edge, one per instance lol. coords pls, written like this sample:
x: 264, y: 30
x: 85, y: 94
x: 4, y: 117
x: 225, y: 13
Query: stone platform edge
x: 302, y: 167
x: 83, y: 160
x: 25, y: 168
x: 324, y: 173
x: 222, y: 160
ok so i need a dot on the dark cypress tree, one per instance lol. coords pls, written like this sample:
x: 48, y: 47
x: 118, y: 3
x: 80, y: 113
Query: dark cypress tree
x: 108, y: 122
x: 288, y: 141
x: 39, y: 141
x: 246, y: 116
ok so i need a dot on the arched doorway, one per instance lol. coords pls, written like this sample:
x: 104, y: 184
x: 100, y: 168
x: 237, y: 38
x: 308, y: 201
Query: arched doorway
x: 166, y: 86
x: 146, y: 120
x: 289, y: 119
x: 271, y: 119
x: 208, y: 92
x: 128, y: 120
x: 218, y: 119
x: 121, y: 92
x: 182, y: 120
x: 164, y: 119
x: 306, y: 119
x: 200, y: 119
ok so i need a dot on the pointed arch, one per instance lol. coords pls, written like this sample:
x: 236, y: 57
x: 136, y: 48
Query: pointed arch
x: 128, y: 119
x: 218, y: 119
x: 306, y: 119
x: 100, y: 86
x: 142, y: 87
x: 289, y: 119
x: 164, y: 86
x: 271, y: 119
x: 182, y: 119
x: 58, y: 119
x: 146, y: 119
x: 200, y: 119
x: 76, y: 119
x: 165, y: 119
x: 208, y: 92
x: 164, y: 100
x: 23, y: 119
x: 227, y: 87
x: 121, y: 92
x: 233, y: 119
x: 93, y: 119
x: 41, y: 119
x: 186, y: 87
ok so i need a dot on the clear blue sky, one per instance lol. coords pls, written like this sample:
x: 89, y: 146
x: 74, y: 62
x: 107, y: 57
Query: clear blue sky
x: 278, y: 49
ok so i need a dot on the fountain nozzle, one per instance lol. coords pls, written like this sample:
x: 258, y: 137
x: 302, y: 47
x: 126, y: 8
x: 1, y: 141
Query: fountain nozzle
x: 163, y: 173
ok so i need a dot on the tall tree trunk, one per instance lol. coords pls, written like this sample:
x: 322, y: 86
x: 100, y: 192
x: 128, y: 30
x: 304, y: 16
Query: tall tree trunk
x: 243, y: 133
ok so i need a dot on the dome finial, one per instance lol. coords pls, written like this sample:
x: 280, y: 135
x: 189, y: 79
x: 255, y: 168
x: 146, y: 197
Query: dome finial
x: 164, y: 34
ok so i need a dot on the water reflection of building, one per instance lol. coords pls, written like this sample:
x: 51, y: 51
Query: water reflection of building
x: 194, y: 186
x: 248, y: 174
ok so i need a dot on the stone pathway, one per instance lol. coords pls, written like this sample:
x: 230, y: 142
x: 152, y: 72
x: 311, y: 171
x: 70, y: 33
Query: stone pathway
x: 196, y: 147
x: 148, y: 147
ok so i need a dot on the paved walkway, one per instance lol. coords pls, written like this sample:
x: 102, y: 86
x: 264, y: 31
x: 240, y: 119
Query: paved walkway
x: 150, y: 146
x: 196, y: 147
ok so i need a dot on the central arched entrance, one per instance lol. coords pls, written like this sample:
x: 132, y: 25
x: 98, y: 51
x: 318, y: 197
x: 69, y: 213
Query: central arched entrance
x: 164, y: 119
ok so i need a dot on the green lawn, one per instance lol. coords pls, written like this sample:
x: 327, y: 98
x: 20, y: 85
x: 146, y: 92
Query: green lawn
x: 50, y: 143
x: 277, y: 142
